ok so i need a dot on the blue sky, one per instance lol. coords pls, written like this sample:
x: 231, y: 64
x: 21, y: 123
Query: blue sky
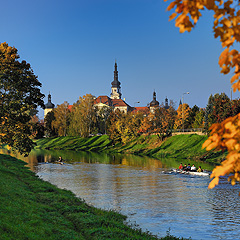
x: 72, y: 46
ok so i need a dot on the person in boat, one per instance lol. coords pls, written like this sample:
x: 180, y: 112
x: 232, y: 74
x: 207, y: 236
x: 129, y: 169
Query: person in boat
x: 200, y: 169
x: 184, y: 167
x: 180, y: 166
x: 193, y: 168
x: 188, y: 167
x: 60, y: 159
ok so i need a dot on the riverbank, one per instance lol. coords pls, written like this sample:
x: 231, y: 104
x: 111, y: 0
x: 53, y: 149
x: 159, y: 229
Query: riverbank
x: 34, y: 209
x: 180, y: 146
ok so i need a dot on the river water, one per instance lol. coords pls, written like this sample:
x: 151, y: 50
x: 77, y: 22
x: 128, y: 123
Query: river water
x: 138, y: 187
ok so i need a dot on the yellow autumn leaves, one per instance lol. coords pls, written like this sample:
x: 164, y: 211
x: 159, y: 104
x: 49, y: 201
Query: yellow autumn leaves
x: 226, y: 26
x: 226, y: 136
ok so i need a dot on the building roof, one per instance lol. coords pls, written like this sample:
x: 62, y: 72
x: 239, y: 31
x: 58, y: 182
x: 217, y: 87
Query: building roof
x: 103, y: 99
x: 141, y: 109
x: 110, y: 102
x: 119, y: 103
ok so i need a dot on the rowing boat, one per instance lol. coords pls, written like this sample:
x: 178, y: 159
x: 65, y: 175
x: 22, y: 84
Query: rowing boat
x: 204, y: 173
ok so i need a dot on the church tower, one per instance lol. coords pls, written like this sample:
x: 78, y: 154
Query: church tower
x: 154, y: 104
x: 49, y: 106
x: 116, y: 89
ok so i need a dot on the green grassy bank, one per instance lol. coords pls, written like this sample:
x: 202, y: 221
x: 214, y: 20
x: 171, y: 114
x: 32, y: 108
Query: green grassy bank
x: 34, y: 209
x: 180, y: 146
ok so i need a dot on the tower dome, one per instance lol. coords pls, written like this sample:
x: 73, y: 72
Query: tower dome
x: 154, y: 102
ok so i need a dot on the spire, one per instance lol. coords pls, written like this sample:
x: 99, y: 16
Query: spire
x: 116, y: 89
x: 115, y: 82
x: 49, y: 98
x: 166, y: 103
x: 180, y: 103
x: 154, y: 95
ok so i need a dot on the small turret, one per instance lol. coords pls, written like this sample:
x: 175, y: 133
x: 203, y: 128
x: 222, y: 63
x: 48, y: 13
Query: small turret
x: 49, y: 106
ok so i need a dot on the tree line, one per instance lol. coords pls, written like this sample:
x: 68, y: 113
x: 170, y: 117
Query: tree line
x: 84, y: 119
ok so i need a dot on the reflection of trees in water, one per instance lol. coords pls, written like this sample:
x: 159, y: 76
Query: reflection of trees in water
x: 48, y: 156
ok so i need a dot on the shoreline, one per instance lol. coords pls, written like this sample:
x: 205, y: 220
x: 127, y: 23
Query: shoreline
x: 34, y: 209
x: 180, y: 146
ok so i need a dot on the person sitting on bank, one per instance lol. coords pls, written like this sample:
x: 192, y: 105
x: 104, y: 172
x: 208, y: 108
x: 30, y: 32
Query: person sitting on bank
x: 193, y: 168
x: 180, y: 166
x: 199, y: 169
x: 60, y: 159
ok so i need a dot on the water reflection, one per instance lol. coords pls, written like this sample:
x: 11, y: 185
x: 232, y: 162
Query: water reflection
x: 136, y: 187
x: 49, y: 156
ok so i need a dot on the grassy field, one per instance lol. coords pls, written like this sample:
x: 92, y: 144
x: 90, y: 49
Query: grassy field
x: 180, y: 146
x: 35, y: 210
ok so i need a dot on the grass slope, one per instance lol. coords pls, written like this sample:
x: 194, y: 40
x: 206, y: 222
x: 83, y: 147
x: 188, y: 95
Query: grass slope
x: 180, y: 146
x: 34, y: 209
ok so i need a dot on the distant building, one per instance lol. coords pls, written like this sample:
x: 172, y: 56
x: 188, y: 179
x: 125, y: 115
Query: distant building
x: 49, y: 106
x: 154, y: 104
x: 114, y: 101
x: 166, y: 106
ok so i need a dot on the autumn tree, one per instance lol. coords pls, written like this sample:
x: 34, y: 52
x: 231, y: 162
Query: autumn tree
x: 225, y: 135
x: 128, y: 126
x: 182, y: 116
x: 61, y: 121
x: 147, y: 124
x: 163, y: 121
x: 83, y: 116
x: 19, y: 94
x: 37, y: 127
x: 102, y: 115
x: 49, y: 129
x: 112, y: 130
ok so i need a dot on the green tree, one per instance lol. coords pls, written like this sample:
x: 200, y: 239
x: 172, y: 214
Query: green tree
x: 61, y: 121
x: 208, y: 113
x: 199, y: 119
x: 19, y: 94
x: 221, y: 107
x: 191, y: 117
x: 218, y: 109
x: 235, y: 106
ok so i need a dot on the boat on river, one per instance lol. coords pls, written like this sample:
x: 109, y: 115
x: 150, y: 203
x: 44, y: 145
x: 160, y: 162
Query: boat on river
x: 195, y: 173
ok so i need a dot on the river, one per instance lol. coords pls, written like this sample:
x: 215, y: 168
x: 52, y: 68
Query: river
x: 138, y: 187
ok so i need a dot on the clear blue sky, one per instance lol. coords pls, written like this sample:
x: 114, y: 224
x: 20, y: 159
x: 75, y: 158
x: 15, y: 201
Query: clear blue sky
x: 72, y: 46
